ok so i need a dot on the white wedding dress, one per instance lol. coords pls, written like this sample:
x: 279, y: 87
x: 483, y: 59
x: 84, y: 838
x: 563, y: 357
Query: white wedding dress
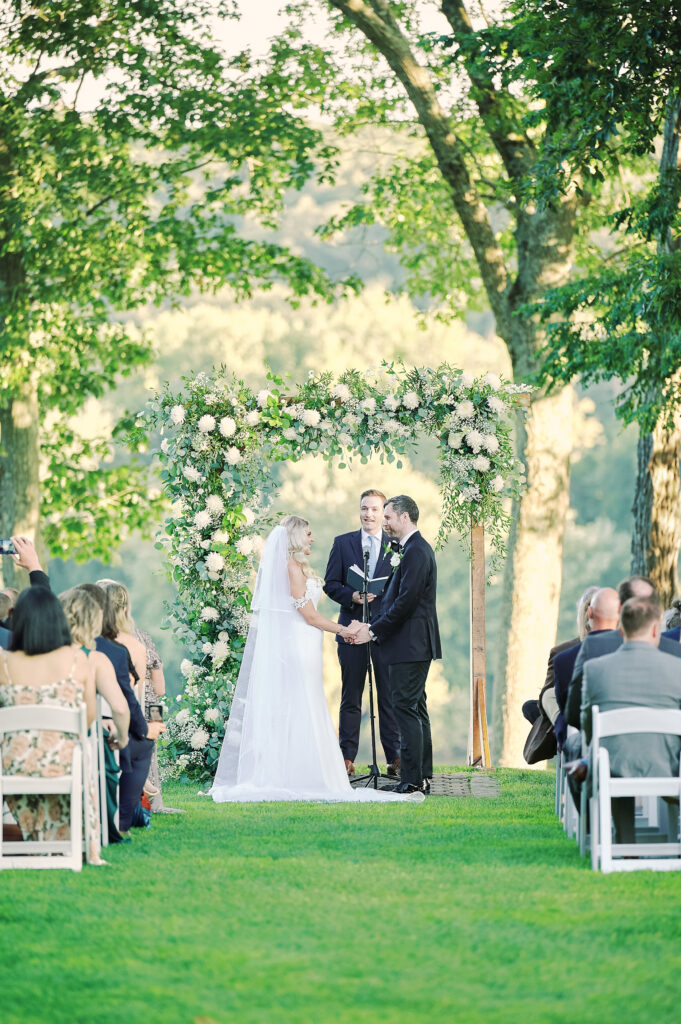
x: 280, y: 743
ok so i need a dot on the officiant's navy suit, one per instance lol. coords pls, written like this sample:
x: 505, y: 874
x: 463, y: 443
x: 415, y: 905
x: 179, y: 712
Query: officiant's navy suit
x: 347, y: 551
x: 407, y: 632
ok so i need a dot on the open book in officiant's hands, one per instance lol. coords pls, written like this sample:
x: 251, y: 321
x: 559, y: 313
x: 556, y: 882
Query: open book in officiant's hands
x: 356, y: 581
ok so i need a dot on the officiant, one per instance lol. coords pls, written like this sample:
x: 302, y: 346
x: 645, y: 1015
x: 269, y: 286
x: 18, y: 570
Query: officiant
x: 348, y: 550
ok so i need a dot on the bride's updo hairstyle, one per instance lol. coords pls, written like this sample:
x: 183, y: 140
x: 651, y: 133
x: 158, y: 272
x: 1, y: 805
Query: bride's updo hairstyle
x: 296, y: 527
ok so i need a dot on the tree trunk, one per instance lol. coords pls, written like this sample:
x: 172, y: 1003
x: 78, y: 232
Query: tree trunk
x: 657, y: 510
x: 533, y: 571
x: 19, y: 478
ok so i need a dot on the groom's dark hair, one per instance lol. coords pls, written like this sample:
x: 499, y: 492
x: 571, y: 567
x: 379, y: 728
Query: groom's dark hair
x: 403, y: 503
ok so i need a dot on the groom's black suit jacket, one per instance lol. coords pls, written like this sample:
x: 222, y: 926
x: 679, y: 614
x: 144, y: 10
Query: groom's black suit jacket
x: 407, y: 628
x: 347, y: 551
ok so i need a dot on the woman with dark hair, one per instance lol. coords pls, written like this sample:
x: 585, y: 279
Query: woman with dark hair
x: 44, y: 667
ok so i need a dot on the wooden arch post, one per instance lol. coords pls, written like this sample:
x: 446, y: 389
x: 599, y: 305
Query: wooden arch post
x: 478, y: 740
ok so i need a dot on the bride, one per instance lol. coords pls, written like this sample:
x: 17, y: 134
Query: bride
x: 280, y: 743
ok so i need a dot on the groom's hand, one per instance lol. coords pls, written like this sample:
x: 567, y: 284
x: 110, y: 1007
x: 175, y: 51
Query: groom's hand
x: 362, y: 634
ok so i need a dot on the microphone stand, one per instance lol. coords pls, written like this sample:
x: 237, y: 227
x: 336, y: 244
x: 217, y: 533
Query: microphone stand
x: 373, y: 774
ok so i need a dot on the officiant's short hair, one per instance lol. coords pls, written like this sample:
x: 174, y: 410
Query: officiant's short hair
x: 403, y: 503
x: 372, y: 493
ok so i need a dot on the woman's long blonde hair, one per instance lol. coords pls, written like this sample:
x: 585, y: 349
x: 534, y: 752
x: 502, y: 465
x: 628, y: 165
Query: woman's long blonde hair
x: 120, y: 604
x: 83, y: 615
x: 295, y: 527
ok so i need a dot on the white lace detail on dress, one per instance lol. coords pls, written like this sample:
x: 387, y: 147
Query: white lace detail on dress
x: 313, y: 583
x: 300, y: 602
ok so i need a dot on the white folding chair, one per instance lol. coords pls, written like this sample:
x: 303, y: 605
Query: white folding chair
x: 629, y: 856
x: 101, y: 774
x: 67, y: 853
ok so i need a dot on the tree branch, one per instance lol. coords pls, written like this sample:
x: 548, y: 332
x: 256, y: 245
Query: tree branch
x: 512, y: 144
x: 375, y: 20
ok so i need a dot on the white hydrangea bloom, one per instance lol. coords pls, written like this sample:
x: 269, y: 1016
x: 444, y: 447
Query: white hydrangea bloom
x: 262, y: 397
x: 177, y: 414
x: 183, y: 716
x: 310, y: 417
x: 467, y: 380
x: 455, y: 439
x: 481, y: 463
x: 252, y: 418
x: 495, y: 405
x: 233, y: 456
x: 410, y: 400
x: 391, y: 403
x: 245, y: 545
x: 393, y: 427
x: 199, y: 739
x: 341, y: 391
x: 207, y: 647
x: 191, y: 473
x: 211, y: 715
x: 492, y: 381
x: 249, y: 515
x: 221, y: 537
x: 215, y: 505
x: 205, y: 544
x: 227, y: 426
x: 344, y: 440
x: 209, y: 614
x: 491, y: 443
x: 165, y: 445
x: 214, y: 561
x: 368, y: 405
x: 206, y: 423
x: 290, y: 434
x: 497, y: 484
x: 464, y: 410
x: 220, y: 651
x: 474, y: 440
x: 186, y: 670
x: 202, y: 519
x: 177, y: 509
x: 351, y: 420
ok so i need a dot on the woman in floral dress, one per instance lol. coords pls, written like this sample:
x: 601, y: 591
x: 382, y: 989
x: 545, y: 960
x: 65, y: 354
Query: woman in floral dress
x: 44, y: 667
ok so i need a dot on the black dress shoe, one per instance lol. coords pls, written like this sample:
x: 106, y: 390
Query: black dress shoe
x: 407, y: 787
x: 426, y: 786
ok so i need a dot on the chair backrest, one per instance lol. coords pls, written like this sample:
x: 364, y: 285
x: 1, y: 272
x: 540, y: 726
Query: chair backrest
x: 42, y: 716
x: 623, y: 721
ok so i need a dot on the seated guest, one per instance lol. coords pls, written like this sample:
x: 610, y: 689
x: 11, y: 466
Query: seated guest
x: 637, y: 674
x: 671, y: 621
x: 136, y: 756
x: 603, y: 614
x: 531, y: 707
x: 84, y: 617
x: 148, y: 667
x: 607, y: 642
x: 44, y: 667
x: 6, y: 606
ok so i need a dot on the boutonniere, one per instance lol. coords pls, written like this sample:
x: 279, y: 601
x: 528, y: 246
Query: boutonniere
x: 395, y: 554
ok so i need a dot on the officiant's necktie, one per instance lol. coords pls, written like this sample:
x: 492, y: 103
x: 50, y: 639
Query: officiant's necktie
x: 373, y: 555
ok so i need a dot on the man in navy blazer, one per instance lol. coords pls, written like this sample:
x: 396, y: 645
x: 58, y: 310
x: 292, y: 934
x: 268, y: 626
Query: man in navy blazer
x: 408, y: 633
x: 348, y: 550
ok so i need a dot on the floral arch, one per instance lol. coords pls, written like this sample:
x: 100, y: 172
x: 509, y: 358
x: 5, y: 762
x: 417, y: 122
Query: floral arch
x: 219, y: 439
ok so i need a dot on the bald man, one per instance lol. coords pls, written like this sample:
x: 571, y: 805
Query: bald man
x: 603, y: 613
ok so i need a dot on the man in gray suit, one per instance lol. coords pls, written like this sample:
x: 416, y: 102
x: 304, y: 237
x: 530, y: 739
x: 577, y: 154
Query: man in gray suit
x: 638, y: 674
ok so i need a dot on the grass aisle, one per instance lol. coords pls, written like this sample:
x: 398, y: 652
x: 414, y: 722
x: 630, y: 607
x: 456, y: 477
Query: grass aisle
x: 461, y: 910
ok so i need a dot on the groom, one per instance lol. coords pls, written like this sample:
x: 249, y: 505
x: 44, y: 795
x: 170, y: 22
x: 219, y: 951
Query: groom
x: 407, y: 633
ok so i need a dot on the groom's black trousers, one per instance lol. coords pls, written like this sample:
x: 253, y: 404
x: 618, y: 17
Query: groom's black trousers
x: 409, y: 701
x: 353, y: 663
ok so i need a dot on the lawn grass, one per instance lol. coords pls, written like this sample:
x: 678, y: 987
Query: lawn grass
x: 461, y: 910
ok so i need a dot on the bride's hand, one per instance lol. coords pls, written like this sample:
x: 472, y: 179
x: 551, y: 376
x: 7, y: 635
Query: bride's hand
x: 347, y: 634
